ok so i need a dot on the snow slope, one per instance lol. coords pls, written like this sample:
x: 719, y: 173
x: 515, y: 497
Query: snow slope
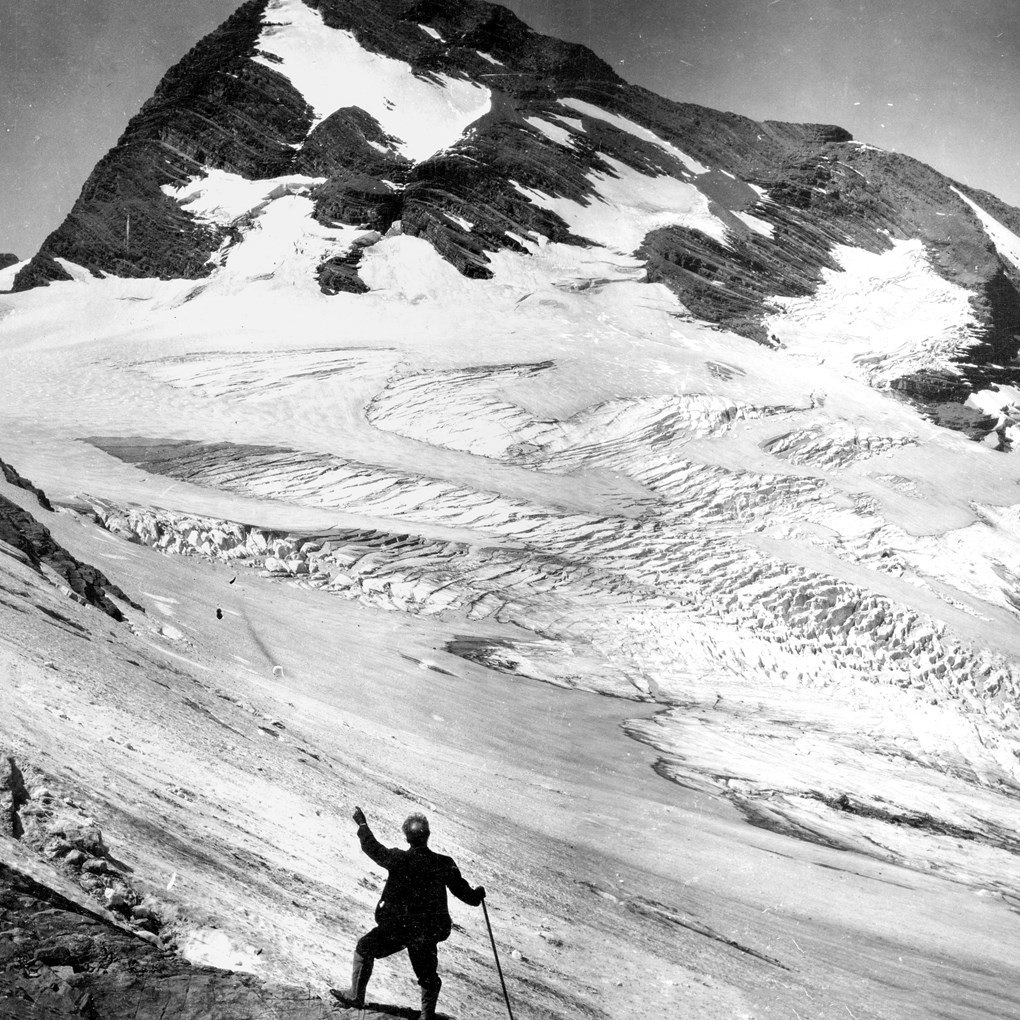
x: 882, y: 317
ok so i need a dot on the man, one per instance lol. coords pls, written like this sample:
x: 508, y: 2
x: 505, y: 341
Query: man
x: 412, y: 913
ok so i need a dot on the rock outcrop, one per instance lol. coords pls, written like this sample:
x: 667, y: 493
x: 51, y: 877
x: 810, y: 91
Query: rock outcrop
x: 8, y: 259
x: 215, y: 108
x: 60, y: 958
x: 39, y: 550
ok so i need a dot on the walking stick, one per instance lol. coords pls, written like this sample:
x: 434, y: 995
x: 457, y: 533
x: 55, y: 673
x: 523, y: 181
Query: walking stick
x: 499, y: 969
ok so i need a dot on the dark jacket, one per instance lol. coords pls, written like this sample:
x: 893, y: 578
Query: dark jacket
x: 414, y: 897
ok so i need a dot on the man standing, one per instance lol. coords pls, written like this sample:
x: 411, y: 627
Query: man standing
x: 412, y: 913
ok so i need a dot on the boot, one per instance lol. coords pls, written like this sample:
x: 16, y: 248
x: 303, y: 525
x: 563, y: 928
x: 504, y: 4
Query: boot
x: 361, y: 971
x: 429, y: 998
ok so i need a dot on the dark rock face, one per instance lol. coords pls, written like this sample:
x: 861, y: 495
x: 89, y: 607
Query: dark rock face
x: 7, y: 259
x: 20, y: 530
x: 340, y: 273
x: 60, y: 959
x: 12, y: 476
x: 216, y: 108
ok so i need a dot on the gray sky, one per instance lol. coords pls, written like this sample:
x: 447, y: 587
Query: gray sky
x: 938, y: 79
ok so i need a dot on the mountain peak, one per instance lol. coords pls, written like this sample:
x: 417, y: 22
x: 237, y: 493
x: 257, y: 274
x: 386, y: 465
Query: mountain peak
x: 452, y: 121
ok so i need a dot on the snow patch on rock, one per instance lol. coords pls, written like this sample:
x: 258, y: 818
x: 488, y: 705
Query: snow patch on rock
x: 281, y: 240
x: 432, y: 32
x: 332, y: 70
x: 627, y: 205
x: 635, y: 129
x: 759, y: 226
x: 553, y: 132
x: 220, y: 197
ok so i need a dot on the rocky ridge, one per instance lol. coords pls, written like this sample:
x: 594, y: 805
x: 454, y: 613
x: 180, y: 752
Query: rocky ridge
x: 31, y: 541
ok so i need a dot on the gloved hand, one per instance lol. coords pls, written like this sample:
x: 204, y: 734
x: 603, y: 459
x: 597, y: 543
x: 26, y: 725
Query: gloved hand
x: 480, y: 892
x: 359, y: 816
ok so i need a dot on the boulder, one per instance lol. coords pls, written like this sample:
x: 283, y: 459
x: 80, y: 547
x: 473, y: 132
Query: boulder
x: 87, y: 838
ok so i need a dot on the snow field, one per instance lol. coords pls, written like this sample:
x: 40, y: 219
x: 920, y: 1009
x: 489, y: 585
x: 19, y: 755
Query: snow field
x: 332, y: 70
x: 884, y: 316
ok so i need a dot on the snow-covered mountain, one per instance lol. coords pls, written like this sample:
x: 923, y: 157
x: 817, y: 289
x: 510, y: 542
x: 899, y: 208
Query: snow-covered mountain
x: 537, y: 384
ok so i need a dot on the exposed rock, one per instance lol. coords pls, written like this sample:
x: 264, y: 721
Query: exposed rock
x: 75, y: 859
x: 20, y: 530
x: 215, y: 108
x: 933, y: 386
x: 340, y: 273
x: 60, y: 959
x: 7, y: 259
x: 12, y: 476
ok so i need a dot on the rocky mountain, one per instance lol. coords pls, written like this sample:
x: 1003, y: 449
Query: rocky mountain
x: 8, y: 259
x: 624, y: 483
x: 528, y: 123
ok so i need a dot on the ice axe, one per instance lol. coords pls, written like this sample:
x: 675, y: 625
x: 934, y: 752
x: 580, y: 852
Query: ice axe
x: 495, y: 955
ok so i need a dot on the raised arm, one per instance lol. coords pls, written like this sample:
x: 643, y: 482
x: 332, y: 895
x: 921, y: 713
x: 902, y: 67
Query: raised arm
x: 383, y: 856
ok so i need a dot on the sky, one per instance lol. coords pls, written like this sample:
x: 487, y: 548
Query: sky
x: 937, y: 79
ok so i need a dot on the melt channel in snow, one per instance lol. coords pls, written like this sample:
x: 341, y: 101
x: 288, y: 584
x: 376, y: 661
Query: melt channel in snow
x: 331, y: 69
